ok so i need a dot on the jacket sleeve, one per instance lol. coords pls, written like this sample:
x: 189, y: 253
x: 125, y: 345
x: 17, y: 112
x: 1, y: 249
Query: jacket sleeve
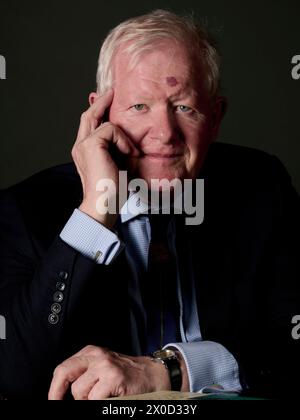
x: 268, y: 353
x: 39, y: 290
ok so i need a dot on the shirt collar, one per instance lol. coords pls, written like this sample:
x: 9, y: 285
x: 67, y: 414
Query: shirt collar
x: 136, y: 206
x: 133, y: 207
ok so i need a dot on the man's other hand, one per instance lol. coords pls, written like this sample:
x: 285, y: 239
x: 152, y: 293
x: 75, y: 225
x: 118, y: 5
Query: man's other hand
x: 96, y: 373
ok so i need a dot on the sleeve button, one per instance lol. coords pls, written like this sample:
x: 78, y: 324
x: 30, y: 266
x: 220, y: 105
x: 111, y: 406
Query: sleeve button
x: 58, y: 297
x: 53, y: 319
x: 56, y: 308
x: 63, y: 275
x: 60, y: 286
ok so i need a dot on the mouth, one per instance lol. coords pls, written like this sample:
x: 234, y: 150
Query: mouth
x: 162, y: 155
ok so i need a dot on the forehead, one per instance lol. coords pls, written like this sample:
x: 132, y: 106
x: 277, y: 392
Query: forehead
x: 167, y: 62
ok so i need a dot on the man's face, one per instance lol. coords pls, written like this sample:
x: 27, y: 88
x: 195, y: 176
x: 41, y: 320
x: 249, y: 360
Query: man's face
x: 164, y: 109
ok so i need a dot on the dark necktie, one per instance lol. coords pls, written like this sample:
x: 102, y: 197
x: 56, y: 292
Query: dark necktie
x: 160, y: 288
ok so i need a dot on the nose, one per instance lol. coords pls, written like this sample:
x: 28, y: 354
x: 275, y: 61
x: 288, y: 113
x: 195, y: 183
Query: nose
x: 164, y: 127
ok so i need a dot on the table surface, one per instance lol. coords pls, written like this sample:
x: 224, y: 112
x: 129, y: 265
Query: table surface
x: 162, y: 395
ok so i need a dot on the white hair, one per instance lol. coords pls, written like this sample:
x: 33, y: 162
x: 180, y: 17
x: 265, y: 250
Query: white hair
x: 142, y: 33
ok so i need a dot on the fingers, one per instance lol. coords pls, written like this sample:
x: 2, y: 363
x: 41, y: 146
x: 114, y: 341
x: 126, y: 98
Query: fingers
x: 82, y: 387
x: 111, y: 133
x: 91, y: 117
x: 88, y: 149
x: 64, y: 374
x: 97, y: 373
x: 100, y: 391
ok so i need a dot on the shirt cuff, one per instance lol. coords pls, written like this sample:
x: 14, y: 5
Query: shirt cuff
x: 209, y: 363
x: 91, y: 238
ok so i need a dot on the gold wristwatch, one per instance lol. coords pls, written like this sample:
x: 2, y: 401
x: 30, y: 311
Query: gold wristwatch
x: 169, y: 359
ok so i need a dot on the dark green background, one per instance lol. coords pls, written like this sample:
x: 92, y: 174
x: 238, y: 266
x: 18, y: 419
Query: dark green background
x: 51, y: 51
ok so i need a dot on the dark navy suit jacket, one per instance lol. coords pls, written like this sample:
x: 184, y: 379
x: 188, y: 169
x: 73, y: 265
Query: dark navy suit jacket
x: 245, y: 257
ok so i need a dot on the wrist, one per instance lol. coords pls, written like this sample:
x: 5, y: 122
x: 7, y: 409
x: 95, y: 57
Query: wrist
x: 156, y: 374
x: 107, y: 220
x: 161, y: 376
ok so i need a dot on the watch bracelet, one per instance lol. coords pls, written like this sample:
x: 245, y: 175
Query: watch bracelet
x: 173, y: 367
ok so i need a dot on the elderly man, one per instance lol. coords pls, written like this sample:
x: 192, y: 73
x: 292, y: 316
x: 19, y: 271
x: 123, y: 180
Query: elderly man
x: 127, y: 302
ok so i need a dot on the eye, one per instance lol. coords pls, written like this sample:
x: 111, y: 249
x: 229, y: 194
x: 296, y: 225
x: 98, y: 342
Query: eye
x: 139, y: 107
x: 183, y: 108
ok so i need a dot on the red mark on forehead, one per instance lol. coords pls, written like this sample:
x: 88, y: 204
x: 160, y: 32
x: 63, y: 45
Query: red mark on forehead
x: 171, y: 81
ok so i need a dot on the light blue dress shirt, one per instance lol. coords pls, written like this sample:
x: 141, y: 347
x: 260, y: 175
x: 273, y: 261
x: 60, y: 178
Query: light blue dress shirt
x: 207, y: 362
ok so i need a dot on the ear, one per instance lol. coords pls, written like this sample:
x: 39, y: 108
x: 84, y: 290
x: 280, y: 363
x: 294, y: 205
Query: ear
x: 219, y: 110
x: 93, y: 96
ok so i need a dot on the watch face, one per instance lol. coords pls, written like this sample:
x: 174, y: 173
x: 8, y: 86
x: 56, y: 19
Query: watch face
x: 164, y: 354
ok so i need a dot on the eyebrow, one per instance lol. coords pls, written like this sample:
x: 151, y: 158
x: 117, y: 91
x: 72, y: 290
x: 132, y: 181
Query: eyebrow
x: 182, y: 92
